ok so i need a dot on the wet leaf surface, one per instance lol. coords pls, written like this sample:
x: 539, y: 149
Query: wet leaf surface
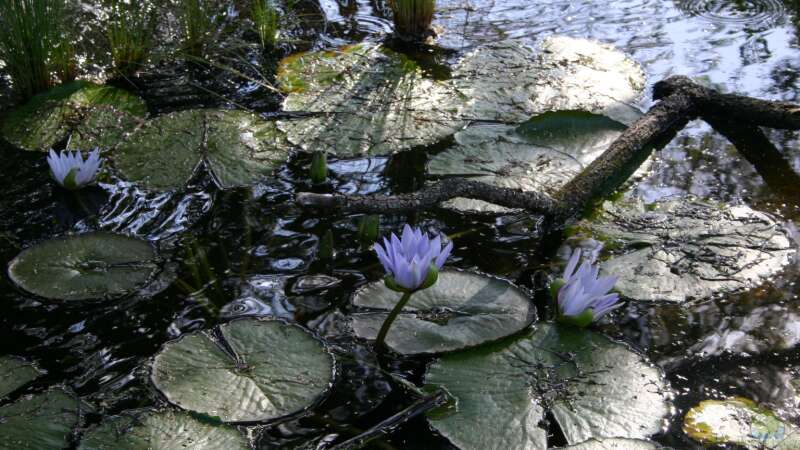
x: 15, y: 373
x: 40, y: 422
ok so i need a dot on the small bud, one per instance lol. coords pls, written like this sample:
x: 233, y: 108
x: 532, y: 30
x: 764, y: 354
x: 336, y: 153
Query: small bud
x: 319, y: 167
x: 368, y: 228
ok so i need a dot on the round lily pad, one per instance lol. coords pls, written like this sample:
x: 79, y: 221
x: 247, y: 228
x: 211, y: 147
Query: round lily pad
x: 237, y: 147
x: 251, y: 370
x: 40, y: 422
x: 509, y: 82
x: 541, y: 154
x: 461, y: 310
x: 686, y: 249
x: 740, y: 421
x: 15, y: 373
x: 615, y: 444
x: 365, y: 99
x: 162, y: 430
x: 83, y: 267
x: 592, y: 386
x: 89, y: 115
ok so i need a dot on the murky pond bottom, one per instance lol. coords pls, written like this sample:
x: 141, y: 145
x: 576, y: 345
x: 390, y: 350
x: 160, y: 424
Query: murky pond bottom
x: 240, y: 252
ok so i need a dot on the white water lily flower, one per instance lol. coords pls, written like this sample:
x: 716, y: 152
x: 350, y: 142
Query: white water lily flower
x: 584, y: 297
x: 71, y: 171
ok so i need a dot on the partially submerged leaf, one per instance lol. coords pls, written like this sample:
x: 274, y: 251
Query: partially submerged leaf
x: 15, y: 373
x: 461, y: 310
x: 259, y: 370
x: 686, y: 249
x: 93, y: 115
x: 615, y: 444
x: 40, y: 422
x: 238, y: 148
x: 740, y: 421
x: 365, y: 99
x: 161, y: 430
x: 541, y: 154
x: 592, y: 386
x: 82, y: 267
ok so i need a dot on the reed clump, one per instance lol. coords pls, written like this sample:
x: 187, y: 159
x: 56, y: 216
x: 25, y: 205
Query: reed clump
x: 266, y: 18
x: 197, y: 24
x: 130, y: 31
x: 412, y: 18
x: 34, y: 44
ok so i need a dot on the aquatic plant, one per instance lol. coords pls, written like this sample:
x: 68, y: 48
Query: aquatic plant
x: 130, y: 30
x: 71, y: 171
x: 319, y: 167
x: 63, y: 61
x: 582, y: 297
x: 197, y: 22
x: 412, y: 18
x: 412, y: 264
x: 30, y: 30
x: 266, y: 18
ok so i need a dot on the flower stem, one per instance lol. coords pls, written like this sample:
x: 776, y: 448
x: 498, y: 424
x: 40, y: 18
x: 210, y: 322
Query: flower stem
x: 388, y: 322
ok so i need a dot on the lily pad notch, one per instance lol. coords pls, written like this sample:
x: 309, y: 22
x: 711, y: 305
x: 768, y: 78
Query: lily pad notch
x: 248, y: 370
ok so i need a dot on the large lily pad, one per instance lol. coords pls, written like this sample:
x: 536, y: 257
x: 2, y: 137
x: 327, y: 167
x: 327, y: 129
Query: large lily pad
x: 461, y: 310
x: 365, y: 99
x: 89, y: 114
x: 40, y: 422
x: 615, y: 444
x: 740, y: 421
x: 15, y: 373
x: 687, y: 249
x: 258, y: 370
x: 83, y: 267
x: 165, y: 430
x: 237, y: 147
x: 592, y: 386
x: 510, y: 82
x: 541, y: 154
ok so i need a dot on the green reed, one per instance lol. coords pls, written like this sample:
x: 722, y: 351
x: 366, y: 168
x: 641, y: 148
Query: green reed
x: 412, y: 18
x: 30, y: 33
x: 267, y: 22
x: 130, y: 31
x: 197, y: 23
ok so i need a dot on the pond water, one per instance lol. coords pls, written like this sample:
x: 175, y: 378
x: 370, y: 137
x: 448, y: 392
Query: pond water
x: 250, y: 251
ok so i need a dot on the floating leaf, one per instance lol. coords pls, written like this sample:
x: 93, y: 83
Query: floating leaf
x: 592, y: 386
x: 365, y: 99
x: 542, y: 154
x: 259, y: 370
x: 93, y: 115
x: 86, y: 266
x: 461, y: 310
x: 510, y: 82
x: 15, y: 373
x: 687, y: 249
x: 40, y: 422
x: 615, y: 444
x: 239, y: 149
x: 161, y: 430
x: 740, y: 421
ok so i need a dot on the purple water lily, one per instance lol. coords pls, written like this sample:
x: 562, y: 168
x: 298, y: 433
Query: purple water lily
x: 408, y: 261
x: 584, y: 297
x: 71, y: 171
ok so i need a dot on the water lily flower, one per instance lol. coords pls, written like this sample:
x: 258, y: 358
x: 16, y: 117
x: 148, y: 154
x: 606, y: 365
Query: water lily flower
x: 413, y: 261
x: 582, y: 296
x: 71, y: 171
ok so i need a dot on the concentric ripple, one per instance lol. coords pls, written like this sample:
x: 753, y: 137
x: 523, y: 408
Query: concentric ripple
x: 745, y: 12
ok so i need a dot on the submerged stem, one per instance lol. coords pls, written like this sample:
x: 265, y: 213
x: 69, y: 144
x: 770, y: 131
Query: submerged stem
x: 388, y: 322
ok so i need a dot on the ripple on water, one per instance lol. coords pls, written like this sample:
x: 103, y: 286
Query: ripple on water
x: 747, y: 12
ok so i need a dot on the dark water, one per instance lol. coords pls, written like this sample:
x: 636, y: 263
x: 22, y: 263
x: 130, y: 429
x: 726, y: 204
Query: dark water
x: 245, y: 251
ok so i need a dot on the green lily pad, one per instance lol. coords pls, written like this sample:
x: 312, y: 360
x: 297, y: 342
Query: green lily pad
x: 40, y: 422
x: 680, y: 250
x: 461, y: 310
x: 615, y: 444
x: 257, y: 371
x: 161, y: 430
x: 237, y: 147
x: 510, y: 82
x: 740, y: 421
x: 83, y: 267
x: 541, y: 154
x: 15, y: 373
x: 592, y: 386
x: 365, y: 100
x: 90, y: 115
